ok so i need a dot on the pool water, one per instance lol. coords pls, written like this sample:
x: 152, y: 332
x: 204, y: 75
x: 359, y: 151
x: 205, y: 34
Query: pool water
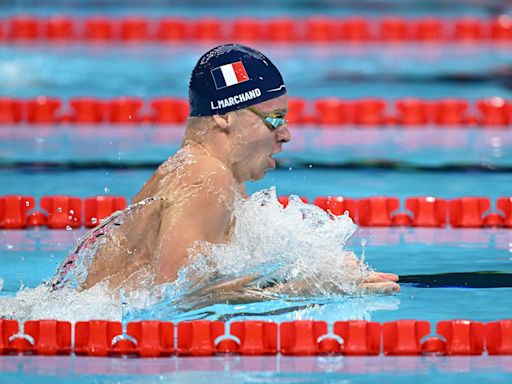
x: 446, y: 273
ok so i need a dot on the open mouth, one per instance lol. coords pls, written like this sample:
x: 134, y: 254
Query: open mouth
x: 272, y: 162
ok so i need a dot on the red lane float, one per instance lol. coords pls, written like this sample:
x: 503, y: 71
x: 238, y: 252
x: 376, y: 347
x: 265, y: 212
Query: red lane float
x: 18, y: 212
x: 170, y: 110
x: 394, y: 29
x: 124, y: 110
x: 377, y: 211
x: 248, y: 30
x: 197, y: 338
x: 333, y: 111
x: 468, y: 29
x: 468, y: 212
x: 98, y: 29
x: 24, y: 28
x: 134, y: 29
x: 256, y: 337
x: 51, y: 337
x: 172, y: 30
x: 337, y: 205
x: 10, y: 110
x: 404, y: 337
x: 355, y: 30
x: 100, y: 207
x: 87, y: 110
x: 320, y: 29
x: 427, y: 211
x: 429, y: 30
x: 297, y: 111
x: 504, y: 204
x: 299, y: 338
x: 13, y: 211
x: 493, y: 112
x: 360, y: 338
x: 451, y: 112
x: 8, y: 328
x: 498, y: 337
x: 207, y: 29
x: 280, y: 30
x: 63, y: 211
x: 151, y: 338
x: 413, y: 112
x: 369, y: 112
x: 42, y: 110
x: 60, y: 28
x: 96, y: 337
x: 501, y: 28
x: 462, y: 337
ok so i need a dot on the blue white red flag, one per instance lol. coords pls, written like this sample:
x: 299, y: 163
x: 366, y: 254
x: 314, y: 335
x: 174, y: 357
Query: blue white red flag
x: 229, y: 74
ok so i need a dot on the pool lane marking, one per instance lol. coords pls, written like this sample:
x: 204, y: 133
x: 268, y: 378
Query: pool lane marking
x: 478, y: 279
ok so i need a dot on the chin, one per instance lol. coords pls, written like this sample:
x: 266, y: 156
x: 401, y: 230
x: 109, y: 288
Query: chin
x: 258, y: 175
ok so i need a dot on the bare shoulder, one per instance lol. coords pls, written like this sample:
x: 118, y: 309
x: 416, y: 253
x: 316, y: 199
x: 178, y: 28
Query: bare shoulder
x: 186, y: 171
x: 200, y: 177
x: 210, y: 169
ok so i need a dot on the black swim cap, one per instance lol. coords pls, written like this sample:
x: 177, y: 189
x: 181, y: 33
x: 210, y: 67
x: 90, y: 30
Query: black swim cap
x: 231, y: 77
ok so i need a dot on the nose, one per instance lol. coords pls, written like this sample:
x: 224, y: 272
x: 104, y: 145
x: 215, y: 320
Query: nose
x: 283, y: 134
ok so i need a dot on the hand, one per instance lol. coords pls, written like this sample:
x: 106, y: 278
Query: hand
x: 380, y: 282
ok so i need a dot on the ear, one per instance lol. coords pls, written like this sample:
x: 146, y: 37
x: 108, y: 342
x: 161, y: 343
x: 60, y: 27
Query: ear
x: 221, y: 121
x: 224, y: 122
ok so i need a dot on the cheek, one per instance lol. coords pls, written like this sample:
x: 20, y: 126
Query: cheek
x: 261, y: 147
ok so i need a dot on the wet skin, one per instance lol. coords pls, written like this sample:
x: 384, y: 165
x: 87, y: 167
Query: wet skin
x: 198, y: 186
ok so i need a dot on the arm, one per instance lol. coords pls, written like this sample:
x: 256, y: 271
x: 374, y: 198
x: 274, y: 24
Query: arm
x: 375, y: 282
x: 204, y: 215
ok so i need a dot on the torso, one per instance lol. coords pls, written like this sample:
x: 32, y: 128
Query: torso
x: 126, y: 257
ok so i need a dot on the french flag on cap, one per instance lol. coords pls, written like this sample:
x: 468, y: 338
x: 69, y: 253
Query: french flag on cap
x: 229, y: 74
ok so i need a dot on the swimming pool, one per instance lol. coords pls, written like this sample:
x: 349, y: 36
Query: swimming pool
x: 442, y: 267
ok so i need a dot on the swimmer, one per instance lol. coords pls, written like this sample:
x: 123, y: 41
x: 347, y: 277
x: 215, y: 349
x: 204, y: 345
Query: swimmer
x: 237, y: 123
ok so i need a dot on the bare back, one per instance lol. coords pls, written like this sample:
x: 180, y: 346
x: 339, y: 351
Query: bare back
x: 195, y: 195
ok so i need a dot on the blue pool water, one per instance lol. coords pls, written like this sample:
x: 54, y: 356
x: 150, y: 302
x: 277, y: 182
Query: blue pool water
x: 353, y: 162
x: 149, y: 70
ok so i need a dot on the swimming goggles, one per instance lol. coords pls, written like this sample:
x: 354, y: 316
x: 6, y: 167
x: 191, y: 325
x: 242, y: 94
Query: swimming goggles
x: 272, y: 121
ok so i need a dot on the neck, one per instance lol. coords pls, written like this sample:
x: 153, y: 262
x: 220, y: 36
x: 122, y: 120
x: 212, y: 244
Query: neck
x: 214, y: 145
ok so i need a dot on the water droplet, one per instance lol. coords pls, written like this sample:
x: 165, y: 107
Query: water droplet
x: 71, y: 211
x: 94, y: 220
x: 290, y: 169
x: 310, y: 165
x: 106, y: 189
x: 9, y: 246
x: 68, y: 228
x: 59, y: 209
x: 27, y: 204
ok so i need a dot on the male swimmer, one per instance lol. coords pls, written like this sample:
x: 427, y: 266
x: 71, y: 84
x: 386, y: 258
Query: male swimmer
x: 238, y: 104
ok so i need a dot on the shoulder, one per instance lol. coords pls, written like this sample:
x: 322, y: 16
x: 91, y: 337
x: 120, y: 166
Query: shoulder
x: 194, y: 176
x: 207, y: 170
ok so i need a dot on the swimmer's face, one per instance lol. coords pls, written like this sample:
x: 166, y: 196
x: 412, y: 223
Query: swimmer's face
x: 254, y: 144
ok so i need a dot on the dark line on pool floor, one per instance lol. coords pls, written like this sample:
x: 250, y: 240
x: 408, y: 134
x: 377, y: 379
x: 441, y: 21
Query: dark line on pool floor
x: 294, y: 163
x: 481, y: 279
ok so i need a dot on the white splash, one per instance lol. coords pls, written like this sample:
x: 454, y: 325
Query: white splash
x: 65, y: 304
x: 300, y: 249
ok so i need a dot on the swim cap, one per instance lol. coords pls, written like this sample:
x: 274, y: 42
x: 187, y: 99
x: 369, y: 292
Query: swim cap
x: 231, y: 77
